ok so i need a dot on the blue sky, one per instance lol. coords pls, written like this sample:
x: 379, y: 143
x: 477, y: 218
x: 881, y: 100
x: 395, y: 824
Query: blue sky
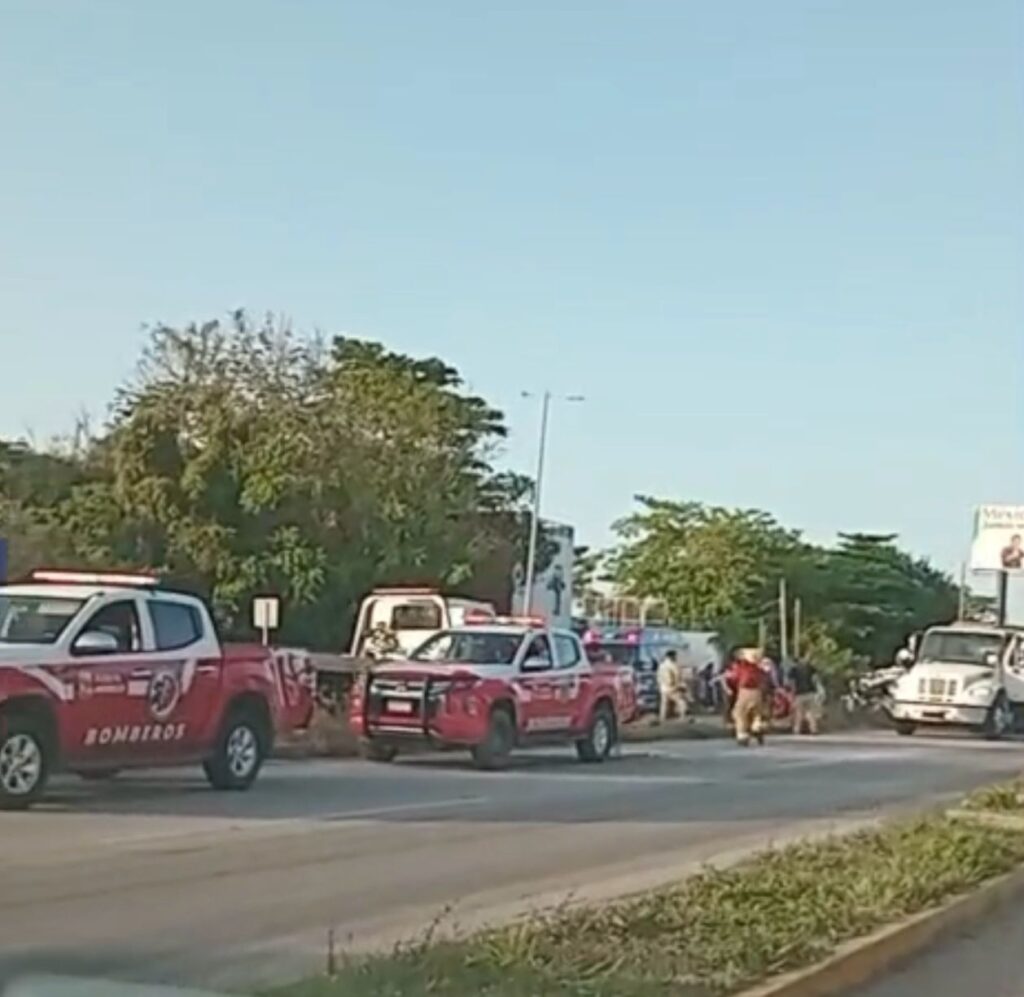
x: 779, y: 246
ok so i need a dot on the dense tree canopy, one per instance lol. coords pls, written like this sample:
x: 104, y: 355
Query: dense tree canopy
x: 244, y: 458
x: 719, y: 569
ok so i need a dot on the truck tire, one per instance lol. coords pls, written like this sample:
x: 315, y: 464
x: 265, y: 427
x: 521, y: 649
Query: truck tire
x: 999, y: 720
x: 375, y: 751
x: 905, y: 728
x: 239, y: 752
x: 600, y: 738
x: 493, y: 752
x: 25, y: 761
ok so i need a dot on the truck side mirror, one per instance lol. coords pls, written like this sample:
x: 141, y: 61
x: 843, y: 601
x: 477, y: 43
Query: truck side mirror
x: 904, y: 657
x: 94, y: 642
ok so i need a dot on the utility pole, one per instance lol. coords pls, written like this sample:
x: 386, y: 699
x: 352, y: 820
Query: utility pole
x: 783, y: 642
x: 531, y: 552
x: 797, y: 613
x: 961, y: 611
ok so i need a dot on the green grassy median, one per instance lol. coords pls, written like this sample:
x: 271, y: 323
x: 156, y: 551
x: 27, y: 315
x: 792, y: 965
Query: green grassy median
x: 712, y: 934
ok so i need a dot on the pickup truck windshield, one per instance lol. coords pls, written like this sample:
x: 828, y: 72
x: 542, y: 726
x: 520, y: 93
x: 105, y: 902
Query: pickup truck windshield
x: 466, y: 648
x: 33, y: 619
x: 960, y: 648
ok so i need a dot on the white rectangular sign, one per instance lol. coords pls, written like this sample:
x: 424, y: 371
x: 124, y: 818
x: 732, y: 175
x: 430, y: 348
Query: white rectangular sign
x: 998, y: 543
x: 266, y: 612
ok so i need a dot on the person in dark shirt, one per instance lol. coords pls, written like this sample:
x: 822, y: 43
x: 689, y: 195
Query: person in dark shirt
x: 805, y: 685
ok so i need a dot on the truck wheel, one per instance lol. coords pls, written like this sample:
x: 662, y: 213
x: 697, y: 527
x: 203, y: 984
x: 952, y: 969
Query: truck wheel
x: 375, y: 751
x: 905, y: 728
x: 600, y: 738
x: 24, y: 763
x: 493, y: 752
x: 999, y: 720
x: 239, y: 752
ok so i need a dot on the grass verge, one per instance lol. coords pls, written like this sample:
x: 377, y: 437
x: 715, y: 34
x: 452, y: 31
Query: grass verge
x: 713, y: 934
x: 1005, y: 797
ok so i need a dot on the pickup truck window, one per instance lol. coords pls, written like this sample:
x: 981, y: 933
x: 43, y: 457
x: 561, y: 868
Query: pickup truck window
x: 32, y: 619
x: 568, y: 651
x: 539, y: 650
x: 175, y: 624
x: 121, y: 621
x: 476, y: 647
x: 416, y: 616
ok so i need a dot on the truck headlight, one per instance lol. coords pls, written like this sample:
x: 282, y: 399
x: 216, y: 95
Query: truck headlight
x: 981, y: 690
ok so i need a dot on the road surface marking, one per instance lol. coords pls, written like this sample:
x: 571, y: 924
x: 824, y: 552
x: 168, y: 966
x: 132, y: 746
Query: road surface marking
x: 399, y: 808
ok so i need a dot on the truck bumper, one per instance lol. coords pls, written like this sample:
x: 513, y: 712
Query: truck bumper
x: 431, y: 719
x: 952, y: 714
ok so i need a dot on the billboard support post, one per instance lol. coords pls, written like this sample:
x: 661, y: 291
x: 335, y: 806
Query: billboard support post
x: 1003, y: 586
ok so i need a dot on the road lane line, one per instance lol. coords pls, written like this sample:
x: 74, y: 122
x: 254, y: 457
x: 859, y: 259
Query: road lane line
x: 397, y: 808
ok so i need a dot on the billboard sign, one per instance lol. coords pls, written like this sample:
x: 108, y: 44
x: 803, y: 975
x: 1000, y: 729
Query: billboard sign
x: 998, y: 543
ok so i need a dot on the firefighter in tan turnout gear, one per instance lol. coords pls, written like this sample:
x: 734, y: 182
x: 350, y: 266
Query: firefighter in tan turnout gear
x: 746, y: 678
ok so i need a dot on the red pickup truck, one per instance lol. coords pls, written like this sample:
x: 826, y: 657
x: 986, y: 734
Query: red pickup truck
x: 489, y: 688
x: 102, y: 672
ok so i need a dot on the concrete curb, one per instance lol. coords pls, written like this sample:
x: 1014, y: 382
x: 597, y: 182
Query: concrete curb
x: 862, y: 960
x: 1003, y: 820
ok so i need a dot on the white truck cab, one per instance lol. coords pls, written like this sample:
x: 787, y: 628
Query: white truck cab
x: 408, y: 615
x: 962, y: 675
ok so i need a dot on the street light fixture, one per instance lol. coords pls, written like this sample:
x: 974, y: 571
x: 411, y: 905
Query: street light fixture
x: 531, y: 554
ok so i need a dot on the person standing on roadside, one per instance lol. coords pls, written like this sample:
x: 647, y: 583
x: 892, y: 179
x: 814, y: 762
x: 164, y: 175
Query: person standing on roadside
x: 670, y: 687
x: 805, y: 685
x: 746, y: 678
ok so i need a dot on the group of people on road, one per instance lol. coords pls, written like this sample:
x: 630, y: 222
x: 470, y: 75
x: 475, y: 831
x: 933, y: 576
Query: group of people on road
x: 751, y: 682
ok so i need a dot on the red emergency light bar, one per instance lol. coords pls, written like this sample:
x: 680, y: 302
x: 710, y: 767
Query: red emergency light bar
x: 592, y: 636
x: 472, y: 619
x: 95, y: 578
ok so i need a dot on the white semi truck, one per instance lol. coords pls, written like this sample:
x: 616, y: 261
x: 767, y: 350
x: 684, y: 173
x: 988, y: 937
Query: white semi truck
x: 964, y: 675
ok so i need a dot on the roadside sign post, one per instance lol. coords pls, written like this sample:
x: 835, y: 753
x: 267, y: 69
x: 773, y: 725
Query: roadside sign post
x: 266, y: 615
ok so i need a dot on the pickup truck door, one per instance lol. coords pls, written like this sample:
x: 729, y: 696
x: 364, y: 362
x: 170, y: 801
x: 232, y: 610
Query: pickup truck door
x: 571, y: 682
x: 146, y: 700
x: 105, y: 719
x: 535, y: 680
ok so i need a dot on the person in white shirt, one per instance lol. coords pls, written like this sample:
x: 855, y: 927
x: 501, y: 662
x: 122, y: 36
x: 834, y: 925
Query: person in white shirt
x: 670, y: 687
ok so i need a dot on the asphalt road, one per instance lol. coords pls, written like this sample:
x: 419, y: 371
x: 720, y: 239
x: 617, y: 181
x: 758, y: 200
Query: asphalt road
x: 155, y: 877
x: 983, y: 962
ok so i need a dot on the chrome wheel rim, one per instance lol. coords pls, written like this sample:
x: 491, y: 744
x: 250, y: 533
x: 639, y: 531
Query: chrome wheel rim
x: 602, y: 736
x: 242, y: 750
x: 1004, y: 718
x: 21, y: 765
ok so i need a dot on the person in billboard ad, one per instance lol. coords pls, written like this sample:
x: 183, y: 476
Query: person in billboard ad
x: 1012, y: 555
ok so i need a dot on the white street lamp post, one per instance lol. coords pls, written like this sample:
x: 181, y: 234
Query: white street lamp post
x: 531, y: 553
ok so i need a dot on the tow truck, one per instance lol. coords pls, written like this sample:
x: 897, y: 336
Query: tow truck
x: 491, y: 685
x: 103, y: 672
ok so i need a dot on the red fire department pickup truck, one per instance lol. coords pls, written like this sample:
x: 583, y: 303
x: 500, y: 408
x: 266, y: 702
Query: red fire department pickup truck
x: 490, y: 687
x: 101, y: 672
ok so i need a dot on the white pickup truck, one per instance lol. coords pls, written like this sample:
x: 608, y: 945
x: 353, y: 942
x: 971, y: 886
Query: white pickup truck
x: 962, y: 675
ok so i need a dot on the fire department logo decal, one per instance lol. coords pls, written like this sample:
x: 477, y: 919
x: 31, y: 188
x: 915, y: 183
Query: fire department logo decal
x: 163, y: 695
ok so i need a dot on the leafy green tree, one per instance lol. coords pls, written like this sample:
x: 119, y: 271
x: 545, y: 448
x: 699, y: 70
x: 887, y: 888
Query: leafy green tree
x: 715, y: 568
x: 719, y: 569
x: 245, y: 458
